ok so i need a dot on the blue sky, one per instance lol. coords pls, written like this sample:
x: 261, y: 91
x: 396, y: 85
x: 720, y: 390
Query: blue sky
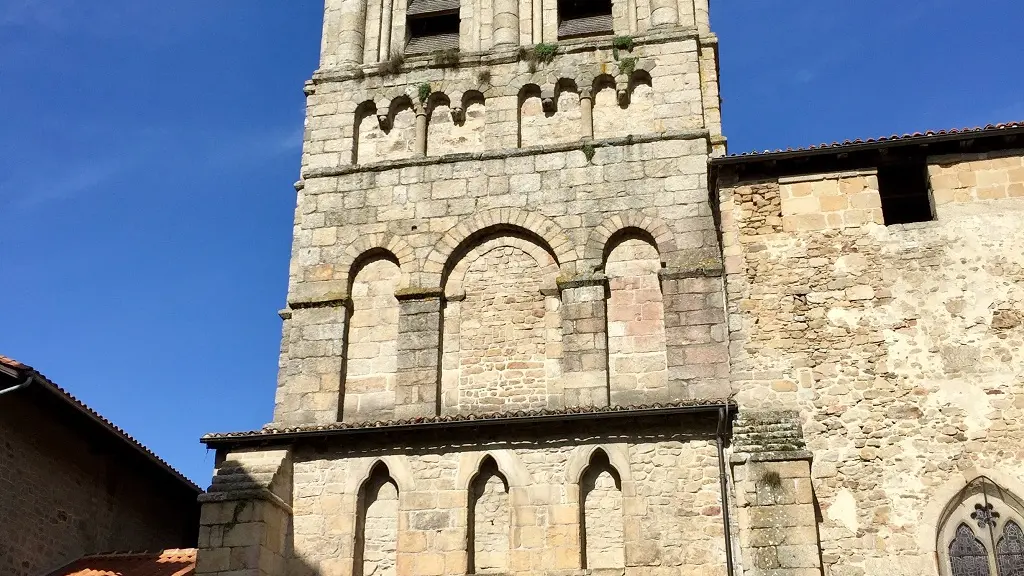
x: 148, y: 151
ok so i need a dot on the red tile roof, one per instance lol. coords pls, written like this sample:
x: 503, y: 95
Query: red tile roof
x: 956, y: 132
x: 24, y: 371
x: 167, y: 563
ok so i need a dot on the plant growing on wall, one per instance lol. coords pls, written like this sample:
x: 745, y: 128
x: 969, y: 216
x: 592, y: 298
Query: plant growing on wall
x: 542, y: 53
x: 393, y: 65
x: 424, y: 91
x: 447, y: 58
x: 621, y: 43
x: 483, y: 78
x: 589, y: 150
x: 628, y: 65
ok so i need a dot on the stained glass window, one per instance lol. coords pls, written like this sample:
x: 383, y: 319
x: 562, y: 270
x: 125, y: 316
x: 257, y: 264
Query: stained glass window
x: 1010, y: 551
x: 967, y: 554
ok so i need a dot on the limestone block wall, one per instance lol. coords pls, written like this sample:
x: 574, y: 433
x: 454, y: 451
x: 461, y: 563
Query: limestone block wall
x: 506, y: 267
x: 500, y: 100
x: 368, y: 31
x: 900, y: 346
x: 646, y: 505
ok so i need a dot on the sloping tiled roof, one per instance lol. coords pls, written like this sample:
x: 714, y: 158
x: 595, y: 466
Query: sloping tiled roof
x: 586, y: 26
x: 425, y: 44
x: 167, y: 563
x: 417, y: 7
x: 988, y: 130
x: 499, y: 417
x: 24, y: 371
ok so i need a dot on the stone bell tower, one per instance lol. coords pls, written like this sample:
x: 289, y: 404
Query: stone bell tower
x: 504, y: 345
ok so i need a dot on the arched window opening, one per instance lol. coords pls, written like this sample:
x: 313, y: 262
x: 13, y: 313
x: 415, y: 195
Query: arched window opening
x: 1010, y: 551
x: 967, y: 554
x: 432, y: 25
x: 371, y: 344
x: 489, y: 520
x: 582, y: 18
x: 376, y: 551
x: 601, y: 523
x: 980, y: 533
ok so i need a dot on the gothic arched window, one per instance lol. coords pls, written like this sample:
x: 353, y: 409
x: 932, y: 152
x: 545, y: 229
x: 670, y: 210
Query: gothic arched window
x: 980, y: 533
x: 1010, y: 550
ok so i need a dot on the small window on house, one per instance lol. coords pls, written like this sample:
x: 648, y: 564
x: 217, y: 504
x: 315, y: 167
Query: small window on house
x: 432, y: 25
x: 581, y: 18
x: 905, y: 192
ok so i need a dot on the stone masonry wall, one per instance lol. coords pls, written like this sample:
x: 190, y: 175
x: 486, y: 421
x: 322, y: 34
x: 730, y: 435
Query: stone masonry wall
x: 556, y: 206
x: 494, y: 101
x: 372, y: 355
x: 902, y: 347
x: 66, y: 494
x: 661, y: 516
x: 638, y: 362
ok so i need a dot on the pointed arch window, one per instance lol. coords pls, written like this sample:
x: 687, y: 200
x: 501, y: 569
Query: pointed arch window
x: 980, y: 533
x: 1010, y: 551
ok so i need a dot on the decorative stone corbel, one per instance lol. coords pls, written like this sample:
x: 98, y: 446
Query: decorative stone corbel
x: 457, y: 107
x: 547, y: 98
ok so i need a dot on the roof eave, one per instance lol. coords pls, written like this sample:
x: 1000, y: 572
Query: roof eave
x: 288, y: 437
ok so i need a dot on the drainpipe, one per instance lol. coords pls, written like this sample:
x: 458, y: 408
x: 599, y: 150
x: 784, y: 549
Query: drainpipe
x: 723, y: 416
x: 16, y: 387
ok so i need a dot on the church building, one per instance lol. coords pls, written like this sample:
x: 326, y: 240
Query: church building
x: 539, y: 322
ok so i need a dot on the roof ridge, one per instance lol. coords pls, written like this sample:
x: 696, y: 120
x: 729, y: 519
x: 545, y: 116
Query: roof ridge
x: 72, y: 399
x: 980, y: 130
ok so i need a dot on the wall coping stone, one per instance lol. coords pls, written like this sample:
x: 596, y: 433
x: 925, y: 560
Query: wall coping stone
x: 246, y: 495
x: 504, y: 154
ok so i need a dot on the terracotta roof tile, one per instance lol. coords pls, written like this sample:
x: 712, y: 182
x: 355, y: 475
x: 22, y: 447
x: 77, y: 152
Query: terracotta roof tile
x: 498, y: 416
x: 110, y: 426
x: 177, y: 562
x: 11, y: 363
x: 978, y: 130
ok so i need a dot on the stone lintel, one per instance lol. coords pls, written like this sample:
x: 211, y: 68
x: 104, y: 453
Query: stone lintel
x: 786, y: 456
x: 503, y: 154
x: 704, y: 270
x: 581, y: 281
x: 826, y: 176
x: 418, y: 294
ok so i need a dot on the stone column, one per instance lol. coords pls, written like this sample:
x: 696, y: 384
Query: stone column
x: 351, y: 32
x: 702, y: 15
x: 419, y: 335
x: 245, y: 516
x: 312, y: 350
x: 538, y: 21
x: 696, y: 332
x: 774, y: 496
x: 587, y: 112
x: 585, y: 341
x: 385, y: 29
x: 506, y: 23
x: 421, y: 129
x: 664, y: 13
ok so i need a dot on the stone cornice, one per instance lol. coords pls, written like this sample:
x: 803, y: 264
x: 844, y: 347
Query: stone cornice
x: 503, y: 154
